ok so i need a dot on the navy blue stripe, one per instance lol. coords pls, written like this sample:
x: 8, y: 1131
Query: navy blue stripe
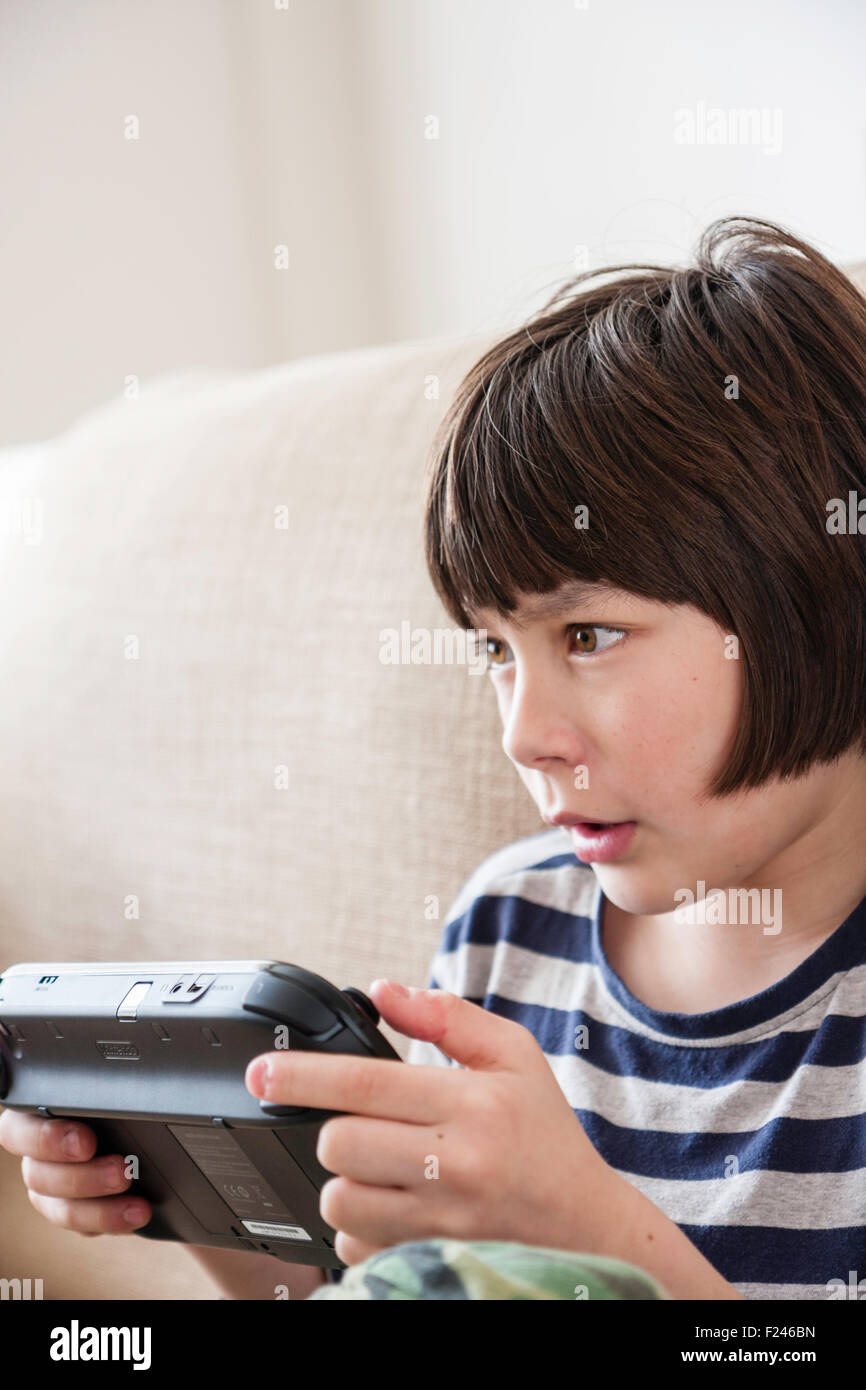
x: 838, y: 1041
x: 547, y: 930
x: 774, y: 1255
x: 782, y: 1145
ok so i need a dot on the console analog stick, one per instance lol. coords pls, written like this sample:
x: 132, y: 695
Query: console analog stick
x: 367, y: 1005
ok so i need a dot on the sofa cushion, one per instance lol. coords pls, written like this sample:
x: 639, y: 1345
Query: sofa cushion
x: 202, y: 754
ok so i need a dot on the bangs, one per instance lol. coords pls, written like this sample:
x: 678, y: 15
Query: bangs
x: 536, y: 484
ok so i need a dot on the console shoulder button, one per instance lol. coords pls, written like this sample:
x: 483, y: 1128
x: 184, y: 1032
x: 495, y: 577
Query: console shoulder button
x: 283, y: 999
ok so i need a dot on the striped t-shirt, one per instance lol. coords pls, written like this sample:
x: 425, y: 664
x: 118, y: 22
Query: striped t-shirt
x: 745, y: 1125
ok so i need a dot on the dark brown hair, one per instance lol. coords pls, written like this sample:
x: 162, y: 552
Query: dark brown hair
x: 706, y: 417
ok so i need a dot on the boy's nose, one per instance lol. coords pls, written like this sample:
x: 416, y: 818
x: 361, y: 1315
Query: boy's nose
x: 538, y: 726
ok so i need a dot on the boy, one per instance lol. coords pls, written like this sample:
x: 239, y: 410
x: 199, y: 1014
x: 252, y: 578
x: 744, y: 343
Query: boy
x: 634, y: 497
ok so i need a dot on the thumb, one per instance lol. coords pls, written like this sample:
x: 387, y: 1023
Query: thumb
x: 470, y: 1035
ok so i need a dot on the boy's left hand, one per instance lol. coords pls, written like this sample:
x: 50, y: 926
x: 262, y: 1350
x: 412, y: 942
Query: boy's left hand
x: 489, y: 1150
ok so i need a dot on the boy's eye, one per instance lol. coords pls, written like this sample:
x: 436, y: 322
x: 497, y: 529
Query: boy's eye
x: 584, y: 634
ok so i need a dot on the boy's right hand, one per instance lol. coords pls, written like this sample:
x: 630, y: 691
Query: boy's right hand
x: 72, y: 1189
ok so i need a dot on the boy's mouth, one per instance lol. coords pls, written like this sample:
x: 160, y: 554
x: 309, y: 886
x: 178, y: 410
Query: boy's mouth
x: 596, y: 826
x: 598, y: 842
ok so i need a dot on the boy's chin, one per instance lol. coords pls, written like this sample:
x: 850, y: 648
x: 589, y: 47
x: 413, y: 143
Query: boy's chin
x: 636, y: 892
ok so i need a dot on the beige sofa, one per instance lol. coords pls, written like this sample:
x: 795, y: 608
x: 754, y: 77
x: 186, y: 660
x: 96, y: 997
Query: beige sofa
x: 167, y: 649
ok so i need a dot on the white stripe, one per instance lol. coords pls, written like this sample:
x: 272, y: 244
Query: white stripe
x: 511, y: 859
x: 767, y: 1197
x: 813, y: 1093
x: 816, y: 1292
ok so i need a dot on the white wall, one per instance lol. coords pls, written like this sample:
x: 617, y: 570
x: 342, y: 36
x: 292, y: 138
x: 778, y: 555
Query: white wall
x: 306, y: 126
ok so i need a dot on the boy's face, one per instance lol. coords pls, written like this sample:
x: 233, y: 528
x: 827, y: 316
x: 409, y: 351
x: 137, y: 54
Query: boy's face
x: 643, y: 696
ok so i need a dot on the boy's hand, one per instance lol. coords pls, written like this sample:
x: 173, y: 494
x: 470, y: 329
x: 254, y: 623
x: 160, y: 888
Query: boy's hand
x: 490, y: 1150
x: 70, y: 1187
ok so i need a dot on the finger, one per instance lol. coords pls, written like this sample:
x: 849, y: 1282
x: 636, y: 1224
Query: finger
x: 380, y: 1216
x: 37, y: 1137
x: 352, y: 1251
x: 472, y: 1036
x: 99, y: 1216
x: 94, y: 1179
x: 359, y: 1085
x: 383, y: 1153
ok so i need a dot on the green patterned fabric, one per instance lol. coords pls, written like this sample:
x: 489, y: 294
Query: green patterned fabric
x: 489, y: 1269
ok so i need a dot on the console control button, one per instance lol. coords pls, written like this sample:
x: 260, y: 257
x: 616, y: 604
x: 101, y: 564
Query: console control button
x: 282, y: 999
x: 364, y: 1004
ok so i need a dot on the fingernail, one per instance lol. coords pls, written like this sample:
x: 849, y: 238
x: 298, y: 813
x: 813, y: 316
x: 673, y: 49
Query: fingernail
x: 395, y: 988
x: 259, y: 1076
x: 72, y: 1143
x: 112, y: 1171
x: 134, y: 1214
